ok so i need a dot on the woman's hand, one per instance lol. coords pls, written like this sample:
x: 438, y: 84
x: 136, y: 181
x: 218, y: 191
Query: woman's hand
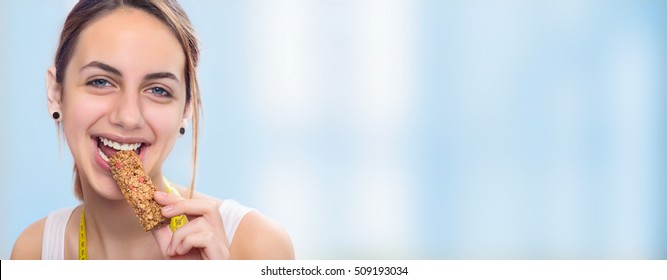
x: 202, y: 237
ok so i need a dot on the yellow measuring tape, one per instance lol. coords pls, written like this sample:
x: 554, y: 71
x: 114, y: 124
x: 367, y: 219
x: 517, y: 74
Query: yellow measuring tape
x: 179, y: 220
x: 83, y: 249
x: 174, y: 224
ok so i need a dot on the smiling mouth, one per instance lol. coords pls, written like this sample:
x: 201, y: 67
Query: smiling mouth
x: 107, y: 148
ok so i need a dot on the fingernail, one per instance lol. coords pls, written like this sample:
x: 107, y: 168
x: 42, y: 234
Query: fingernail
x: 160, y: 194
x: 167, y: 208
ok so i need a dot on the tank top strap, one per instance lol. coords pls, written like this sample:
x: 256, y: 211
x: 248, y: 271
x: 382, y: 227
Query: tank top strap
x: 53, y: 238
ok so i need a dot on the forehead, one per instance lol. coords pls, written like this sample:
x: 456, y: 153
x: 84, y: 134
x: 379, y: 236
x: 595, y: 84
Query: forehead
x: 131, y: 40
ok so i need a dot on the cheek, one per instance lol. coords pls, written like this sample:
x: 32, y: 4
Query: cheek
x: 80, y: 112
x: 164, y: 121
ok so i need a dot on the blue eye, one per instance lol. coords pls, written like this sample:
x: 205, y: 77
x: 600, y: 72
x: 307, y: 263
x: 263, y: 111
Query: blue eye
x: 99, y: 83
x: 159, y: 91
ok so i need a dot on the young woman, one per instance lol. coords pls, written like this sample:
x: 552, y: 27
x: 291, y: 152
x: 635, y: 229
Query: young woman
x: 125, y: 79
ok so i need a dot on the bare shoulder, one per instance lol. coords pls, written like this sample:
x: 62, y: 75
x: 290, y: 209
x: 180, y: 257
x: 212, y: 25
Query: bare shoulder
x: 259, y: 237
x: 28, y: 245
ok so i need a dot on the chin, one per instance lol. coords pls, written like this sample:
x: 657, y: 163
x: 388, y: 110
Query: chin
x: 105, y: 187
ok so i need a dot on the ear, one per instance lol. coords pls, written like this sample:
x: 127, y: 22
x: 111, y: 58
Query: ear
x: 53, y: 91
x: 187, y: 114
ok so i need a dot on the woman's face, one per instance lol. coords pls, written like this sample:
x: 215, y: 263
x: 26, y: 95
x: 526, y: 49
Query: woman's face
x: 125, y: 87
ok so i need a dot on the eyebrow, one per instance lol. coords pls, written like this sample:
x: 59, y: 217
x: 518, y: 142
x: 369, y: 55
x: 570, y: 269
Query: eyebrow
x: 113, y: 70
x: 100, y: 65
x: 161, y: 75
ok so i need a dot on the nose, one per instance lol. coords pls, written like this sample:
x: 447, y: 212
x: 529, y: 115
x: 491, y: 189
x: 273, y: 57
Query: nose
x: 127, y: 111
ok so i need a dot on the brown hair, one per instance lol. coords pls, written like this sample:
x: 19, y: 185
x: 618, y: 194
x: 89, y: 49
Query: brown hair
x: 168, y: 12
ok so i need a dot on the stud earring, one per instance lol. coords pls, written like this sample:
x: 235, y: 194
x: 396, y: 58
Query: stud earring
x: 56, y: 115
x: 181, y: 130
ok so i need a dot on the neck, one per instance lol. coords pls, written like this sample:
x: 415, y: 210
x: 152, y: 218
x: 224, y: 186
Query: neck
x: 112, y: 228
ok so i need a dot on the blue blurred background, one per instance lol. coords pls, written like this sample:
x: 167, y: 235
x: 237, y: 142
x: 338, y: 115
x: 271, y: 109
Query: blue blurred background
x: 396, y: 129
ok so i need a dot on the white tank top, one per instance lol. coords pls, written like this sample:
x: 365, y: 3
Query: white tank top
x: 53, y: 239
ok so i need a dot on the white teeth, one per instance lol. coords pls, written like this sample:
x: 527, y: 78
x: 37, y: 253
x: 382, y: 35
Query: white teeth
x: 104, y: 157
x: 119, y: 146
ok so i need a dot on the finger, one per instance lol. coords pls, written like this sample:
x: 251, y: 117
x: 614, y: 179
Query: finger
x: 164, y: 198
x: 191, y: 227
x: 193, y: 207
x: 206, y: 242
x: 197, y: 227
x: 163, y: 238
